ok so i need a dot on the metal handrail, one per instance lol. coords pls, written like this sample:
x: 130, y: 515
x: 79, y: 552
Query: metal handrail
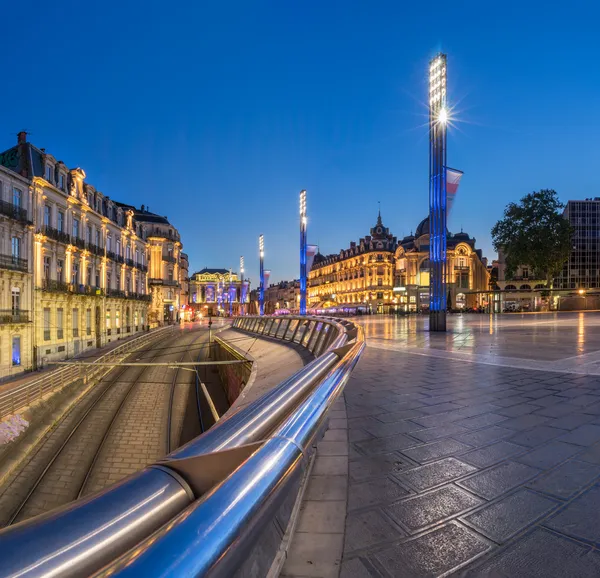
x: 208, y: 499
x: 24, y: 395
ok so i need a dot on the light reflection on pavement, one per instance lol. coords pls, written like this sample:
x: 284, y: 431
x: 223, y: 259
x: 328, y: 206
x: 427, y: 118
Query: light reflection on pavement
x: 550, y: 341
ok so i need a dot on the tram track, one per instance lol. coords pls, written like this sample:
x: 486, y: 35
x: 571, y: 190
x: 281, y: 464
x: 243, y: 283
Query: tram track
x: 63, y: 474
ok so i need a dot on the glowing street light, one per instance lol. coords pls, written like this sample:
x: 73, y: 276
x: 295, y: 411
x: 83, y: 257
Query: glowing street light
x: 261, y: 292
x: 438, y: 121
x: 303, y: 250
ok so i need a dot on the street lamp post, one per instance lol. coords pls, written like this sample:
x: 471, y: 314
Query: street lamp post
x: 241, y: 285
x: 261, y: 291
x: 303, y: 272
x: 229, y: 296
x: 438, y: 120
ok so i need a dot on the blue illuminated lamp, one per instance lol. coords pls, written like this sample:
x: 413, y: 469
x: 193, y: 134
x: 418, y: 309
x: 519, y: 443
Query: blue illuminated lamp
x: 438, y: 121
x: 303, y: 271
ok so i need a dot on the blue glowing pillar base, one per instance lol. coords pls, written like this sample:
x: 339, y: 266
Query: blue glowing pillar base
x: 261, y: 291
x: 303, y: 273
x: 437, y: 200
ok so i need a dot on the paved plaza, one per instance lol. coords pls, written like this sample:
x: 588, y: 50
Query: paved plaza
x: 475, y: 452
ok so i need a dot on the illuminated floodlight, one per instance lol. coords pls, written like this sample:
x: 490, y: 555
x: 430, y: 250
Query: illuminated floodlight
x: 261, y: 246
x: 242, y: 267
x: 303, y: 203
x: 443, y: 115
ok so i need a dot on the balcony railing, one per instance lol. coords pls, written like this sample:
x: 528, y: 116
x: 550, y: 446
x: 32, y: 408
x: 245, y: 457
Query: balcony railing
x: 13, y: 263
x: 111, y: 255
x: 143, y: 268
x: 14, y: 212
x: 170, y: 283
x: 57, y: 235
x: 169, y: 259
x: 78, y: 242
x: 129, y: 262
x: 55, y: 286
x: 13, y: 316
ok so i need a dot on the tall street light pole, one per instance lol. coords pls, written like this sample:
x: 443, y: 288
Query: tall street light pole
x: 241, y: 285
x: 303, y: 272
x: 229, y: 296
x: 261, y: 291
x: 438, y: 120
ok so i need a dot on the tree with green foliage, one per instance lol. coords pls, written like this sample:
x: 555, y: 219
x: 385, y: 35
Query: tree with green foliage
x: 534, y: 232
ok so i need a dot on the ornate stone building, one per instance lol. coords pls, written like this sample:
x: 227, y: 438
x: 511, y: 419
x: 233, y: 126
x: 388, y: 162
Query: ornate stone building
x: 283, y: 296
x: 16, y: 238
x: 467, y: 274
x: 89, y: 258
x: 164, y: 265
x: 217, y: 292
x: 382, y: 275
x: 358, y: 278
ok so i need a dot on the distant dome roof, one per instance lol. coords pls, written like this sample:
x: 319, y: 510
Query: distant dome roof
x: 423, y: 228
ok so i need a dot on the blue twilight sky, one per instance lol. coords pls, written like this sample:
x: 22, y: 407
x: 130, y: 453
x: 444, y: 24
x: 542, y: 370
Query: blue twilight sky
x: 216, y: 114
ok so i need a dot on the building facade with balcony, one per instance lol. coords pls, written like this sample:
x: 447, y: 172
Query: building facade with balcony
x: 89, y: 260
x: 283, y: 297
x: 468, y: 280
x: 217, y: 292
x: 360, y: 278
x: 16, y: 237
x: 164, y: 249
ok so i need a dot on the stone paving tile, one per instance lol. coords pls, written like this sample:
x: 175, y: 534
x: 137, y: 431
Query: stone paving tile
x: 525, y: 421
x: 389, y: 429
x: 430, y: 434
x: 484, y: 436
x: 375, y: 491
x: 591, y: 455
x: 366, y: 529
x: 398, y: 415
x: 386, y: 444
x: 508, y: 516
x: 572, y: 421
x: 426, y: 509
x: 354, y: 568
x: 541, y: 554
x: 575, y: 520
x: 481, y: 421
x: 433, y: 554
x: 492, y: 454
x: 375, y: 466
x: 435, y: 450
x: 517, y: 410
x: 584, y: 435
x: 537, y: 436
x: 549, y: 455
x: 567, y: 479
x: 430, y: 475
x: 499, y: 479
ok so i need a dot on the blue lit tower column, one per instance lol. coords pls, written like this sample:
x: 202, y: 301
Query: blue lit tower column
x: 261, y: 291
x: 230, y: 296
x: 242, y: 285
x: 438, y: 116
x: 303, y: 272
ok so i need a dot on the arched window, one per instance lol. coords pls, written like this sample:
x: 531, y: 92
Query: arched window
x: 525, y: 287
x: 540, y: 286
x: 510, y: 288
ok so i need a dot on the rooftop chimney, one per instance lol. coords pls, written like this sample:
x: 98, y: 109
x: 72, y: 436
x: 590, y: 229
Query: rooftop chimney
x: 22, y: 137
x: 142, y: 208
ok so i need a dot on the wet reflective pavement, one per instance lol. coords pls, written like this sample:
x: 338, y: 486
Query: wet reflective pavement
x: 475, y: 452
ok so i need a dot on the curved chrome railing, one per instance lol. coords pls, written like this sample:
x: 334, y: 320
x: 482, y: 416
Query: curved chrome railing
x: 203, y: 509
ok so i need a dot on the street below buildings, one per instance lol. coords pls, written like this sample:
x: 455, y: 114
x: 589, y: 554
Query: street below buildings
x: 132, y: 417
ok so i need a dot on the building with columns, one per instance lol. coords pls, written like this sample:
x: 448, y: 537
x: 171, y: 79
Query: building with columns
x: 212, y: 291
x: 89, y: 259
x: 468, y: 280
x: 165, y: 270
x: 16, y: 238
x: 359, y: 278
x: 380, y: 274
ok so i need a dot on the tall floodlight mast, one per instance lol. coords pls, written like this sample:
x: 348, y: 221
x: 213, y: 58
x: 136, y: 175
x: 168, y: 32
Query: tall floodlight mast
x: 261, y: 291
x: 303, y: 272
x: 438, y: 121
x: 242, y: 296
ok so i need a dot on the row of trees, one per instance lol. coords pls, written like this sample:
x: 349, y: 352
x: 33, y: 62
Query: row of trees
x: 533, y: 232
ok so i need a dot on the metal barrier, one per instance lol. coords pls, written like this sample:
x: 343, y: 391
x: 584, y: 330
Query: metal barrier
x: 24, y: 395
x: 219, y: 505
